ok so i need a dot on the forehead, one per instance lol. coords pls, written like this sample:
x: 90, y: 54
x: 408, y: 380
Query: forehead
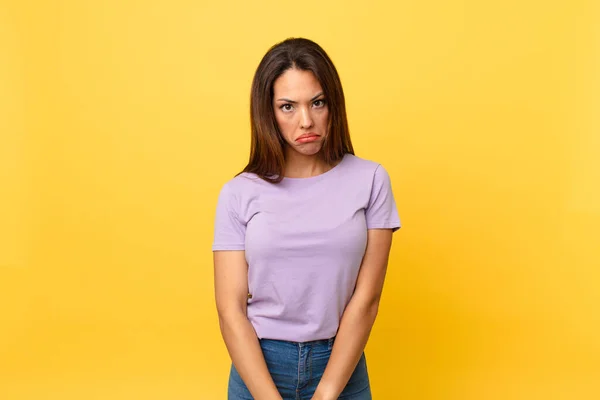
x: 296, y: 82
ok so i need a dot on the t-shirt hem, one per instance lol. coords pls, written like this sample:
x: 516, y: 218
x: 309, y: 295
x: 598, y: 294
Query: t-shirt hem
x: 217, y: 247
x: 296, y: 338
x: 395, y: 225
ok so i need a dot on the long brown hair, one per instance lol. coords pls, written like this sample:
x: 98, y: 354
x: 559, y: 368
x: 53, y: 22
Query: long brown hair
x: 267, y: 155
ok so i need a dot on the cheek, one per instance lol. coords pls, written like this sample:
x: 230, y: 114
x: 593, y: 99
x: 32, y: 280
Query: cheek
x: 280, y: 120
x: 284, y: 123
x: 324, y: 117
x: 286, y: 119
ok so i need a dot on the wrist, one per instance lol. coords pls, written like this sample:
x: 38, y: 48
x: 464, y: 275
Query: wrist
x: 322, y: 394
x: 317, y: 396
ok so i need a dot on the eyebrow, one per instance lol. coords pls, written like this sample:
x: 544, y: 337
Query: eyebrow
x: 294, y: 102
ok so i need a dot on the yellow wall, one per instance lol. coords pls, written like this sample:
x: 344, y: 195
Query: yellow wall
x: 120, y: 121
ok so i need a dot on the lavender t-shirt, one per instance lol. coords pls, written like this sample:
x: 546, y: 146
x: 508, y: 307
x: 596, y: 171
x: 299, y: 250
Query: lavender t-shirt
x: 304, y: 240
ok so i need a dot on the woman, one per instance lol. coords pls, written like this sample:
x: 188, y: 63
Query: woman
x: 302, y: 239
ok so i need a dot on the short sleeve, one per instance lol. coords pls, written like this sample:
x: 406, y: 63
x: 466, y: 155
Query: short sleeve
x: 381, y: 211
x: 229, y: 230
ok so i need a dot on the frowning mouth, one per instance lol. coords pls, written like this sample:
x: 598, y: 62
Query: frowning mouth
x: 307, y: 137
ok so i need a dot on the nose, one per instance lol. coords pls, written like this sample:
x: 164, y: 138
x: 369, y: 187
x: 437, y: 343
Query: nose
x: 305, y: 119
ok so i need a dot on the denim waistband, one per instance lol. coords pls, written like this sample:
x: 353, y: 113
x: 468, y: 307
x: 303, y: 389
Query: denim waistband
x: 328, y: 342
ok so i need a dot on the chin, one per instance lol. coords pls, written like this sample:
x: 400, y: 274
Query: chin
x: 309, y: 150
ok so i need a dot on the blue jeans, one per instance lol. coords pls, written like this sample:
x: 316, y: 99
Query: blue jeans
x: 296, y: 369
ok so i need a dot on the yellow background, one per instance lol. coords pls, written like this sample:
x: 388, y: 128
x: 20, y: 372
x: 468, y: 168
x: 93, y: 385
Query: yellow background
x: 120, y: 121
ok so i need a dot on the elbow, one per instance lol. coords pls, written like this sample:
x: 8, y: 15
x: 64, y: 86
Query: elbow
x: 372, y: 309
x: 230, y: 316
x: 369, y: 308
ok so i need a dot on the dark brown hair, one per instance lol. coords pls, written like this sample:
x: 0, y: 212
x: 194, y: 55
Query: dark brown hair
x: 267, y: 155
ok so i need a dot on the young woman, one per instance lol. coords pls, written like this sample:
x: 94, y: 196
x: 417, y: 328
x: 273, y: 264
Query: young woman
x: 302, y: 239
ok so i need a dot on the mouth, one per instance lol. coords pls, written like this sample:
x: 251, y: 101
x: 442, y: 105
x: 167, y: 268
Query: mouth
x: 307, y: 137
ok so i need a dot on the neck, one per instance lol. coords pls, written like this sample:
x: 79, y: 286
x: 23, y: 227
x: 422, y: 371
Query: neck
x: 303, y: 166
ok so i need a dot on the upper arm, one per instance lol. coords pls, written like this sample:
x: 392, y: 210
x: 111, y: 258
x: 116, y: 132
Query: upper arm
x: 381, y: 211
x: 231, y: 281
x: 382, y: 220
x: 230, y: 267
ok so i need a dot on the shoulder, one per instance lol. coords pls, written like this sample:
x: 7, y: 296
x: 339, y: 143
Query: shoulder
x: 364, y: 166
x: 242, y: 184
x: 366, y: 173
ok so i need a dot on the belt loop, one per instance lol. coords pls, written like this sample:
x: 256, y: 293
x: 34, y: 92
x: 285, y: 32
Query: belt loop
x: 330, y: 342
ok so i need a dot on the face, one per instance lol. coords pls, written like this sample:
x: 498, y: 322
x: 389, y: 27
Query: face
x: 301, y: 111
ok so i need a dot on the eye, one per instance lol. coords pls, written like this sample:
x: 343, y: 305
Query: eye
x: 283, y: 107
x: 319, y: 103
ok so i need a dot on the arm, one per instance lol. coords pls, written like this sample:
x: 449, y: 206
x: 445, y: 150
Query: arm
x: 358, y: 318
x: 231, y: 291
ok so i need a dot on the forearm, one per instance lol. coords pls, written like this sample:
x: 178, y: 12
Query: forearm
x: 246, y: 354
x: 350, y: 342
